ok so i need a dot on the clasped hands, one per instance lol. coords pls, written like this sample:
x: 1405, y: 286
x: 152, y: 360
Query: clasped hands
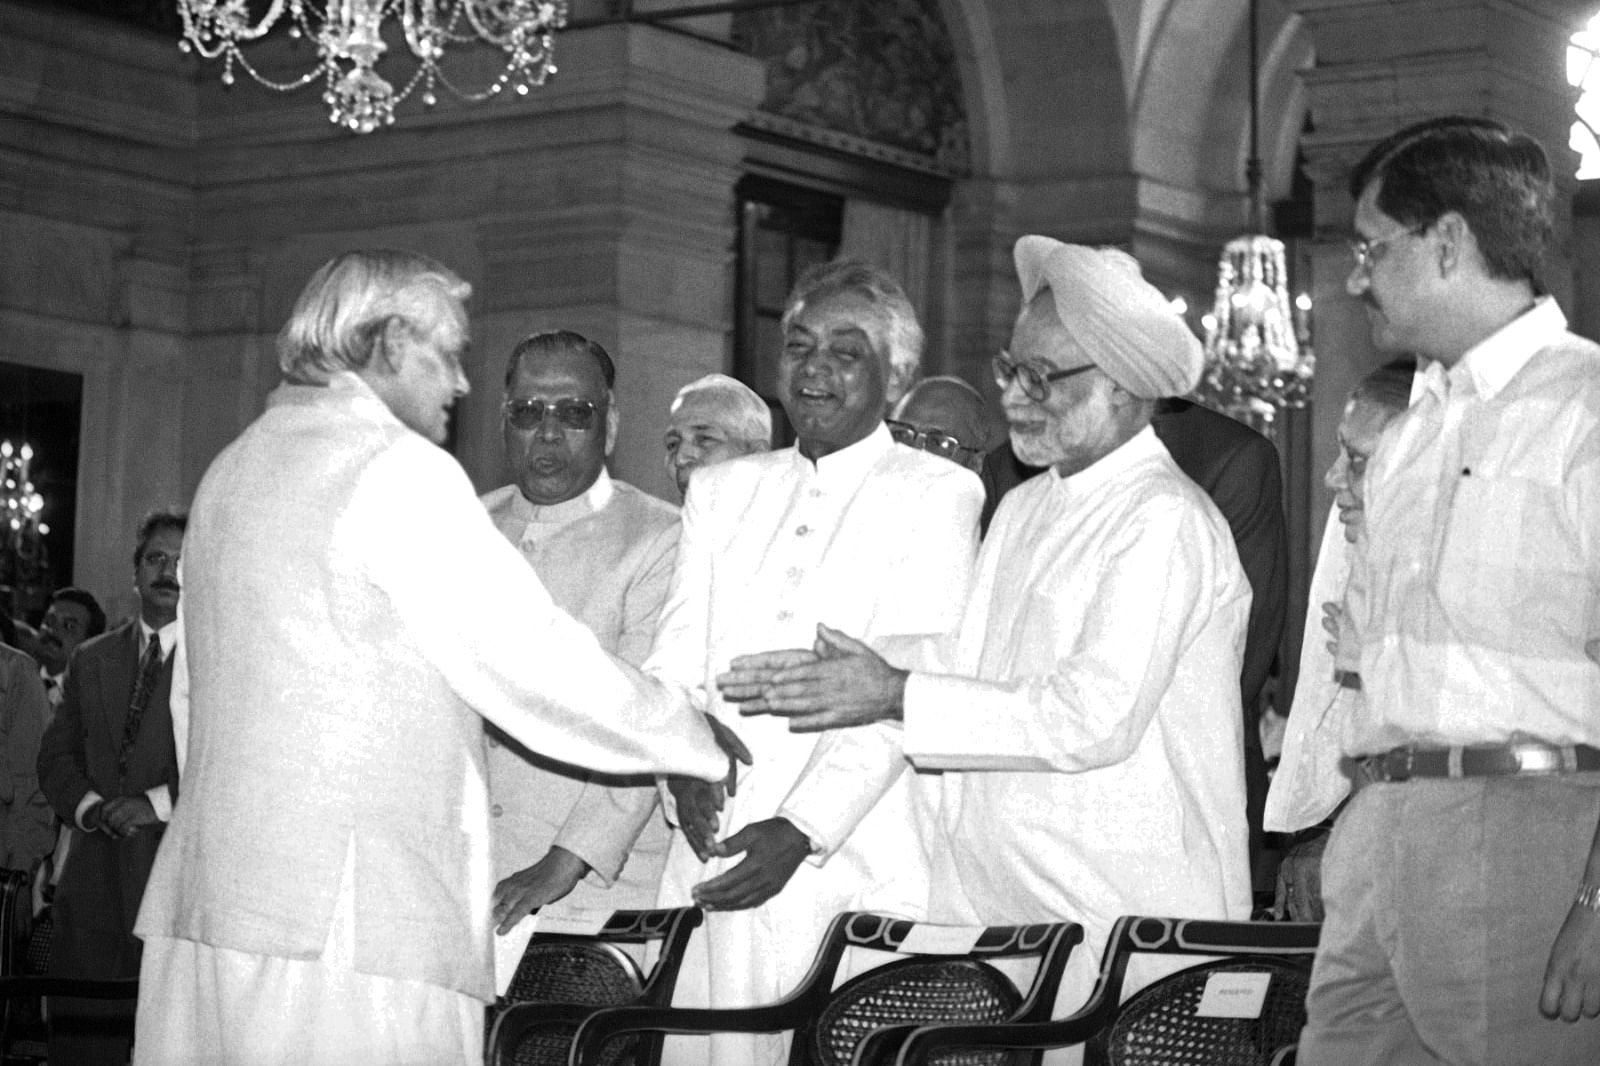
x: 121, y: 816
x: 839, y: 681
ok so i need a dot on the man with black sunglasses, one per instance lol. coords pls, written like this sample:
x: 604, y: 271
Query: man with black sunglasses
x: 604, y: 550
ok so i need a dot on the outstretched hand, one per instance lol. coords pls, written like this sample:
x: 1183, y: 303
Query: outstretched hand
x: 841, y: 682
x: 773, y: 850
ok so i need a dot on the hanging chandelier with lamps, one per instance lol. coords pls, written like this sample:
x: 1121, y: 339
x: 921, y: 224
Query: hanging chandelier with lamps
x: 1259, y: 359
x: 22, y: 554
x: 351, y: 36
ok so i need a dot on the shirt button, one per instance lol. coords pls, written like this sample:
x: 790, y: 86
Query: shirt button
x: 784, y: 616
x: 496, y: 810
x: 493, y: 743
x: 795, y: 573
x: 815, y: 493
x: 802, y: 531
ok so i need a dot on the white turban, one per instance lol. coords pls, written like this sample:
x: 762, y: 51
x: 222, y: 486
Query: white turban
x: 1121, y: 321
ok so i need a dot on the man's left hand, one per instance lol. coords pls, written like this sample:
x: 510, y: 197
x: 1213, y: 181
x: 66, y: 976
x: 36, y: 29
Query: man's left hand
x: 124, y: 816
x: 773, y: 850
x: 844, y: 683
x: 1572, y: 977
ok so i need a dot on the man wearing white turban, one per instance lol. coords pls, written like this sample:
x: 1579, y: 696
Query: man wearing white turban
x: 1087, y: 713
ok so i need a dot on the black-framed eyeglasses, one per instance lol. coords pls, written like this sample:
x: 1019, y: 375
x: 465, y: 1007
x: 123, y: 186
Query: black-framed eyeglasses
x: 941, y: 444
x: 1365, y: 249
x: 571, y: 413
x: 1035, y: 383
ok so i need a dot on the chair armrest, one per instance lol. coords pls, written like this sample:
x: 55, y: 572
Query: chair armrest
x: 611, y: 1022
x: 920, y: 1047
x: 1285, y: 1056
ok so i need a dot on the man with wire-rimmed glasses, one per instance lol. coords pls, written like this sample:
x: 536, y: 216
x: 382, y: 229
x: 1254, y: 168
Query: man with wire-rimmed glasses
x: 946, y: 417
x: 1462, y: 879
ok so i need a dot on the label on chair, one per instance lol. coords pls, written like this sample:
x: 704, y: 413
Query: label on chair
x: 570, y: 921
x: 1234, y: 995
x: 927, y: 939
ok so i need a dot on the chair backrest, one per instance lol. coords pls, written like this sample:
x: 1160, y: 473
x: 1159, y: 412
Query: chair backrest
x: 576, y: 972
x: 1172, y: 1023
x: 945, y: 976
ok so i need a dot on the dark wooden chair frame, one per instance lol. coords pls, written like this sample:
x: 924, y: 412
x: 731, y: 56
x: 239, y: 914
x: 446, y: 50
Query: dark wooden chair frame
x: 1131, y: 935
x: 672, y: 927
x: 799, y: 1011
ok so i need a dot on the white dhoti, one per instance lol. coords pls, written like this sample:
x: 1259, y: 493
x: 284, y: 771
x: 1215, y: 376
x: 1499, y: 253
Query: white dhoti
x: 206, y: 1006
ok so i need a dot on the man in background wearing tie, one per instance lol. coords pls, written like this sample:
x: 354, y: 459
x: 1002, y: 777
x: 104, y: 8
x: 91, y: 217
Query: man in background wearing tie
x: 109, y: 767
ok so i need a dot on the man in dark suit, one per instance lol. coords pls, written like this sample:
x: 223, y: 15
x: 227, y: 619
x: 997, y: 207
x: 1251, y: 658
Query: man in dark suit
x: 108, y: 766
x: 1238, y: 468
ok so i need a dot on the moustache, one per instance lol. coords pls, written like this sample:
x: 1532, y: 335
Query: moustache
x: 165, y: 583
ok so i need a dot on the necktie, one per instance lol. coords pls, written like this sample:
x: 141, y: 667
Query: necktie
x: 149, y: 671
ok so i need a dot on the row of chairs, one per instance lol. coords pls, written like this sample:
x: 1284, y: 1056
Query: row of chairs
x: 925, y: 1004
x: 585, y: 1000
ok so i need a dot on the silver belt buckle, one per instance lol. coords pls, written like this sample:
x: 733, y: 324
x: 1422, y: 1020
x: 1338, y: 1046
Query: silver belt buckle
x: 1537, y: 759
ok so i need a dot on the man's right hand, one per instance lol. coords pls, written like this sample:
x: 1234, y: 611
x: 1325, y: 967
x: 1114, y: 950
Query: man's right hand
x: 698, y: 803
x: 546, y: 881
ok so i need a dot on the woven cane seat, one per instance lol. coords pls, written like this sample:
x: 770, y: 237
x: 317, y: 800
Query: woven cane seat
x: 913, y: 991
x: 1158, y: 1026
x: 575, y: 971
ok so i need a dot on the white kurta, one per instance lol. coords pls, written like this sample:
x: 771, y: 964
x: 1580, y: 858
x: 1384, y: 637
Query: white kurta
x: 333, y: 790
x: 606, y: 559
x: 877, y: 540
x: 1098, y: 699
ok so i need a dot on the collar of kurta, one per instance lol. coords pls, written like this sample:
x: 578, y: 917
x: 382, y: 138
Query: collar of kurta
x: 521, y: 509
x: 1486, y: 367
x: 342, y: 387
x: 1142, y: 446
x: 850, y: 463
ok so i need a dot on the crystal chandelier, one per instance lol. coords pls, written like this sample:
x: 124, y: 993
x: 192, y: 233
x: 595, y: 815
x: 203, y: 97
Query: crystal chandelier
x: 1258, y: 349
x: 20, y: 503
x: 349, y: 38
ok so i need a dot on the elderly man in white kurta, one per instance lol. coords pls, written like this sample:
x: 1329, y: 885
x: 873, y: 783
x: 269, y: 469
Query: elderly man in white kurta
x: 848, y: 528
x: 322, y: 893
x: 604, y: 550
x: 1092, y: 704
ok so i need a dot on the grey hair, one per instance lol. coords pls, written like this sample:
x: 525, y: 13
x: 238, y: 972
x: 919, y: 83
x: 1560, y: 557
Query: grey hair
x: 752, y: 418
x: 347, y: 304
x: 902, y: 331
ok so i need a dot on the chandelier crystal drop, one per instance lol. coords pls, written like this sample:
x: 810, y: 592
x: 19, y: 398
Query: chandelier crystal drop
x: 352, y: 36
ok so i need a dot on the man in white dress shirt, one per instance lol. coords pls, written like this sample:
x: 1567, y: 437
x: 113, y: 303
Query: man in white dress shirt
x: 604, y: 550
x: 847, y: 528
x: 1462, y: 879
x: 1089, y: 721
x: 323, y: 891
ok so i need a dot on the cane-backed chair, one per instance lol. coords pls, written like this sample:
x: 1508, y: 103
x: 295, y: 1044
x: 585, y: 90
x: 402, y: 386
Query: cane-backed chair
x: 940, y: 973
x: 562, y: 979
x: 1159, y: 1025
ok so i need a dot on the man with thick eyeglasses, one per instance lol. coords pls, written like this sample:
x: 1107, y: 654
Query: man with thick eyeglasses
x: 108, y: 765
x: 848, y: 528
x: 604, y: 550
x: 1087, y: 714
x: 946, y: 417
x: 1462, y: 879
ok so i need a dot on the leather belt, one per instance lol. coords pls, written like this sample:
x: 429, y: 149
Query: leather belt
x: 1478, y: 760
